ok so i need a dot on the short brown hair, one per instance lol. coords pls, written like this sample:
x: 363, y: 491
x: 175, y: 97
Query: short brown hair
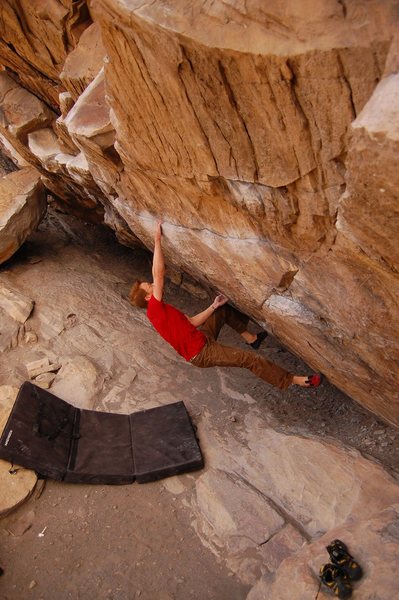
x: 137, y: 295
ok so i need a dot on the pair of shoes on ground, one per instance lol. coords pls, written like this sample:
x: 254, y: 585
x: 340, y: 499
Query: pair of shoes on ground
x: 341, y: 572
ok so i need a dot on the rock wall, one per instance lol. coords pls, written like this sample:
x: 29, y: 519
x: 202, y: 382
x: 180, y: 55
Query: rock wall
x: 265, y: 134
x: 22, y: 206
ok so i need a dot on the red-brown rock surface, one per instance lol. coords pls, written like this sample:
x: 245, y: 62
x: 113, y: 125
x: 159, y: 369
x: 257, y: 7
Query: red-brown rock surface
x: 263, y: 133
x: 22, y: 207
x: 36, y: 37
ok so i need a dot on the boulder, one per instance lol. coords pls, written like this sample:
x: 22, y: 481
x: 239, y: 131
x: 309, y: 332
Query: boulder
x: 256, y: 199
x: 23, y: 204
x: 320, y: 484
x: 26, y: 130
x: 249, y: 128
x: 8, y: 395
x: 89, y: 125
x: 374, y: 543
x: 78, y: 382
x: 268, y: 496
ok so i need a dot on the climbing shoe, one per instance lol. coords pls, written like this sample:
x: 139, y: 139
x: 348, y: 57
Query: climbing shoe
x: 259, y: 339
x: 340, y: 556
x: 314, y: 380
x: 336, y: 580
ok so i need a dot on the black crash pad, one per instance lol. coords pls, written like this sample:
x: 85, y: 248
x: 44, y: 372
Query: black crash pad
x: 65, y: 443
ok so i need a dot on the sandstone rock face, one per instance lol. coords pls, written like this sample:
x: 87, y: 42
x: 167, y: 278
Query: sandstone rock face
x: 26, y: 124
x: 303, y: 477
x: 36, y: 38
x: 264, y: 134
x: 21, y: 111
x: 370, y: 541
x: 238, y: 518
x: 83, y: 63
x: 89, y: 125
x: 295, y: 489
x: 22, y: 206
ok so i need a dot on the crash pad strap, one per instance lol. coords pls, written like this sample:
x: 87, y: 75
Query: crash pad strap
x: 74, y: 441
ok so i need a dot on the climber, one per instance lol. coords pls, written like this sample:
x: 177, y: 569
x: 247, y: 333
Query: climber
x: 195, y: 337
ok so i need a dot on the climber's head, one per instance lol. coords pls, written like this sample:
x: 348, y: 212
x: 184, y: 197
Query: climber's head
x: 140, y: 293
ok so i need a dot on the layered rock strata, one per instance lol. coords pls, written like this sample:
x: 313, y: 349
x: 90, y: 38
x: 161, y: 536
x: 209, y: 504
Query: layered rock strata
x: 27, y: 135
x: 264, y: 135
x: 36, y: 38
x: 22, y: 206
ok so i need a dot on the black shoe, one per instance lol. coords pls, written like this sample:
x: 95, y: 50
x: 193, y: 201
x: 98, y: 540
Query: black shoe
x: 259, y: 339
x: 335, y: 579
x: 340, y: 556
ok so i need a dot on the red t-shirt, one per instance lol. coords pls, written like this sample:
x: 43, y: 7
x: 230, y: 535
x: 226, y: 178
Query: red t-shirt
x: 175, y: 328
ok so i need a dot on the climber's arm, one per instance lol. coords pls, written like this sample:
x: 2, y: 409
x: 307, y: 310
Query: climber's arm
x: 158, y: 264
x: 200, y: 318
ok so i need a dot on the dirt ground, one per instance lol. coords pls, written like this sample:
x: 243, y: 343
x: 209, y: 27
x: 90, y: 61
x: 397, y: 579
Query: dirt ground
x: 138, y: 541
x: 110, y: 542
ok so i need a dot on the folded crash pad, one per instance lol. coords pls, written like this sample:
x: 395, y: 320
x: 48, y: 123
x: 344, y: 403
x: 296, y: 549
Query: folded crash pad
x: 65, y: 443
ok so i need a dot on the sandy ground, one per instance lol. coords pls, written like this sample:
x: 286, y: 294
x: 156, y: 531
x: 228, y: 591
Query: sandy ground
x: 112, y: 543
x: 138, y: 541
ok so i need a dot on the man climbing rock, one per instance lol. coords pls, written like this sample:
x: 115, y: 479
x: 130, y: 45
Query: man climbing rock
x: 195, y: 338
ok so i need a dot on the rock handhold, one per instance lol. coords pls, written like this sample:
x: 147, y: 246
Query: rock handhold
x: 23, y: 205
x: 44, y: 144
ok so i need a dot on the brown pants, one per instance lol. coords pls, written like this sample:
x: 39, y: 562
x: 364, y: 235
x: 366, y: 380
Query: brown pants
x: 214, y: 354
